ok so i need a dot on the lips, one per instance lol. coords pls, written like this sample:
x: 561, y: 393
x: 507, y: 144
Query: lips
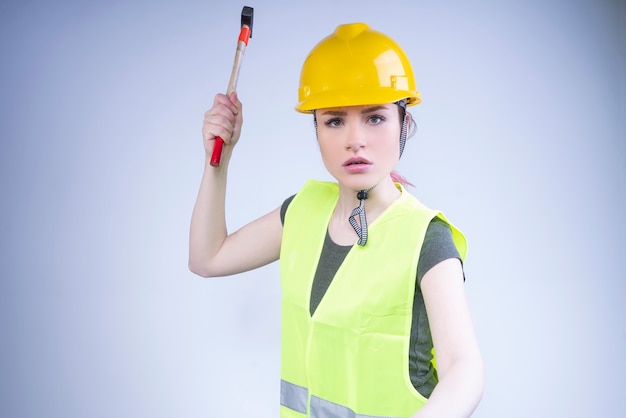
x: 356, y: 160
x: 357, y: 165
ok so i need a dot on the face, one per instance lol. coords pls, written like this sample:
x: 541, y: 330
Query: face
x: 359, y: 144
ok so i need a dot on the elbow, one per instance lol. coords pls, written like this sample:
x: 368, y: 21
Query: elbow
x: 468, y: 370
x: 200, y: 269
x: 480, y: 382
x: 474, y: 370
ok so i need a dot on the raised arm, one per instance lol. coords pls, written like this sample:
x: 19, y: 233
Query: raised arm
x: 212, y: 251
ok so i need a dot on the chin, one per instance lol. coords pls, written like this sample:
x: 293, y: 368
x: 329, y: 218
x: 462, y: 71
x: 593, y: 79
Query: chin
x: 358, y: 182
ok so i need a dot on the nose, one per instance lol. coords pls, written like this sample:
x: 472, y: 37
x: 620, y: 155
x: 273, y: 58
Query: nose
x: 355, y: 137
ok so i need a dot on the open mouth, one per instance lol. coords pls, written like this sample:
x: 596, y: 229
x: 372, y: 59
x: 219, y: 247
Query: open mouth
x: 356, y: 161
x: 357, y: 165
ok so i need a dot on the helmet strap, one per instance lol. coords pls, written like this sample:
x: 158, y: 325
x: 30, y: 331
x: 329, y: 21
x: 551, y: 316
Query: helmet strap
x: 404, y: 130
x: 361, y: 230
x: 315, y: 121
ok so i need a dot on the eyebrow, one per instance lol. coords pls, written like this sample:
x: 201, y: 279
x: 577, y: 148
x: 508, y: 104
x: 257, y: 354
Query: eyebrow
x: 343, y: 113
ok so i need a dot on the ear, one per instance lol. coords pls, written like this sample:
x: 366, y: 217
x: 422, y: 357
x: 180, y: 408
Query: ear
x: 411, y: 125
x: 409, y: 118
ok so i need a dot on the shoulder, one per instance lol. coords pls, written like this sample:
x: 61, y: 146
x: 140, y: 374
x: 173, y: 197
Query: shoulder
x: 312, y: 189
x: 442, y: 241
x: 284, y: 207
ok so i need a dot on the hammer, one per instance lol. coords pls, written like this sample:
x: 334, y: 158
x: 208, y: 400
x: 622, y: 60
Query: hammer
x: 247, y: 15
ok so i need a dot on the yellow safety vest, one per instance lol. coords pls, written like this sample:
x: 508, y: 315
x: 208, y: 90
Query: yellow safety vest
x: 350, y: 359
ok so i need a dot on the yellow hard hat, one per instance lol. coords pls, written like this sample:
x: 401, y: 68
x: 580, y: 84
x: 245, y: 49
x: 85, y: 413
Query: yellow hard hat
x: 356, y: 65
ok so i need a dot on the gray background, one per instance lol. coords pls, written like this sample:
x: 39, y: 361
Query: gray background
x: 520, y: 142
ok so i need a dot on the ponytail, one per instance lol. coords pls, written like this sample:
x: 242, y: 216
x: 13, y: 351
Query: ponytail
x: 399, y: 178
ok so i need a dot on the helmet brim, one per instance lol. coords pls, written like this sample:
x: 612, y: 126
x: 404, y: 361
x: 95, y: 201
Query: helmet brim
x: 357, y: 98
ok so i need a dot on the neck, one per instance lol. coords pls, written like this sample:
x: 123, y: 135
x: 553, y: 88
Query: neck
x: 379, y: 198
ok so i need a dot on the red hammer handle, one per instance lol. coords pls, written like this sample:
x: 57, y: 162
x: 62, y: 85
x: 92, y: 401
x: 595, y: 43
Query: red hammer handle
x: 244, y: 36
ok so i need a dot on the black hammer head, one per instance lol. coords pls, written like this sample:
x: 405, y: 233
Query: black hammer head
x: 247, y: 15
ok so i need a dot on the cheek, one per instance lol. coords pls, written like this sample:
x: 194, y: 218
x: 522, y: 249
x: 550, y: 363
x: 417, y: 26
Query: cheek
x: 392, y: 153
x: 327, y: 142
x: 390, y: 146
x: 328, y: 150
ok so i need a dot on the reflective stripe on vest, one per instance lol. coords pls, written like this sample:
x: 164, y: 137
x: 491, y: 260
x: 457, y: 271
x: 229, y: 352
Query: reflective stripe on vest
x: 295, y: 397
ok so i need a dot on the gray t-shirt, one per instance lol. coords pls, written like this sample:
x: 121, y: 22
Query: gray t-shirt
x: 438, y: 246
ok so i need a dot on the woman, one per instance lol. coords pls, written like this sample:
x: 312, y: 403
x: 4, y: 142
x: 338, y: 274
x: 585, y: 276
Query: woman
x: 374, y: 317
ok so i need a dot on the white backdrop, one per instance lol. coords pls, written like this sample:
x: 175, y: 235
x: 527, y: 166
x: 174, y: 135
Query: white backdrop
x: 520, y: 142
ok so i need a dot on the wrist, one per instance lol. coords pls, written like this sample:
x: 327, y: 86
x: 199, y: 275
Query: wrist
x: 224, y: 159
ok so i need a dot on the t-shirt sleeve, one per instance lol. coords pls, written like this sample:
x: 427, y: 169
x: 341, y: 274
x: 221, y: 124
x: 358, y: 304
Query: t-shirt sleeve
x: 283, y: 208
x: 438, y: 246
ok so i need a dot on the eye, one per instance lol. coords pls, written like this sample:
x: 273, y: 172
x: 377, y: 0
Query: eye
x: 333, y: 123
x: 375, y: 119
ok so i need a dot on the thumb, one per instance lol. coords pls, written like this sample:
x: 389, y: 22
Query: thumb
x: 234, y: 98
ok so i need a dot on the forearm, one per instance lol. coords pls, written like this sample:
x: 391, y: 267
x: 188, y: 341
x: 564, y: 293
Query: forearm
x: 208, y: 221
x: 458, y: 392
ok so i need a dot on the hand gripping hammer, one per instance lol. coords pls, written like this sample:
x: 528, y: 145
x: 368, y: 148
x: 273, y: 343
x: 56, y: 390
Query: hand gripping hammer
x: 247, y: 15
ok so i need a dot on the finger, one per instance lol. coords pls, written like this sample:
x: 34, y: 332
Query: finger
x: 226, y: 101
x: 221, y: 114
x: 234, y: 98
x: 217, y: 126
